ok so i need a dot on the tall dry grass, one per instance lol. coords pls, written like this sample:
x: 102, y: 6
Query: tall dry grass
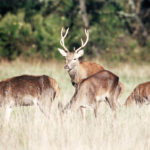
x: 28, y: 129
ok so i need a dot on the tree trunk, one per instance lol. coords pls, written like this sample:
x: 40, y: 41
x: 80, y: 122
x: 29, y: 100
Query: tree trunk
x: 84, y: 13
x: 139, y: 30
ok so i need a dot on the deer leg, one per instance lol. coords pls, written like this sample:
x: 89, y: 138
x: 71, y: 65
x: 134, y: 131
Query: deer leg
x: 35, y: 102
x: 8, y: 110
x: 96, y: 108
x: 107, y: 100
x: 117, y: 94
x: 83, y: 112
x: 45, y: 109
x: 95, y: 112
x: 111, y: 103
x: 41, y: 107
x: 60, y: 109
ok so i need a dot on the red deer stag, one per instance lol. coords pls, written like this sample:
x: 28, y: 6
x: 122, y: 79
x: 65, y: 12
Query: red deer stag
x: 102, y: 86
x: 140, y: 95
x: 27, y: 90
x: 79, y: 70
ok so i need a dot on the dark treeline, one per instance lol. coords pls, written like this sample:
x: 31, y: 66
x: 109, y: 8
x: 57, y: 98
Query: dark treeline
x: 119, y: 29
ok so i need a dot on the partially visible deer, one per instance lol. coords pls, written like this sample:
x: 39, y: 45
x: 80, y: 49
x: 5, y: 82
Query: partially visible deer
x: 140, y: 95
x: 102, y: 86
x: 78, y: 70
x: 27, y: 90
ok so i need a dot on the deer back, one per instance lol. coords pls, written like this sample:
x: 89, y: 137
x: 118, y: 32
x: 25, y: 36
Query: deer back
x: 23, y: 89
x: 94, y: 88
x: 140, y: 94
x: 89, y: 68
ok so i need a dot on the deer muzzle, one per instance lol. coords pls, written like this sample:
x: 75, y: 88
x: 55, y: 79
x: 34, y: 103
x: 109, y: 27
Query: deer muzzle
x: 66, y: 67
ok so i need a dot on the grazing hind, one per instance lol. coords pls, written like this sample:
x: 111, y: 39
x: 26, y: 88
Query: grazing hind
x: 102, y: 86
x: 140, y: 95
x: 27, y: 90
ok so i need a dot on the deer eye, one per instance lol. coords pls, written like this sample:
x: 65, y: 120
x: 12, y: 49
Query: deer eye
x: 75, y: 59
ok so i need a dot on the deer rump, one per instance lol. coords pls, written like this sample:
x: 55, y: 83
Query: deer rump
x: 140, y: 95
x: 102, y: 86
x: 26, y: 90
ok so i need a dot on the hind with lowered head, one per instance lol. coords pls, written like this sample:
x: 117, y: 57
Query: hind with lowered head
x: 102, y: 86
x: 140, y: 95
x: 27, y: 90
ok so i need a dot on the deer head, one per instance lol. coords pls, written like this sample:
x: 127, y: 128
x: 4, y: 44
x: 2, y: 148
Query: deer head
x: 72, y: 58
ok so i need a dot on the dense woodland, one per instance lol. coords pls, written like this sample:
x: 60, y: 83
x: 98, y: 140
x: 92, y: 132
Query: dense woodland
x: 119, y: 29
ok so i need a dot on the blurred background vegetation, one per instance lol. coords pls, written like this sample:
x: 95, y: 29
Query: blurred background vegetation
x: 119, y: 29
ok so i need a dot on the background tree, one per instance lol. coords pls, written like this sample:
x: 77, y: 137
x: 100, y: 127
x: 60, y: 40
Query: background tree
x: 119, y: 30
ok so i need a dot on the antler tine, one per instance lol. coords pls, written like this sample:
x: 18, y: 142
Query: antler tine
x: 63, y: 38
x: 62, y: 30
x: 83, y: 43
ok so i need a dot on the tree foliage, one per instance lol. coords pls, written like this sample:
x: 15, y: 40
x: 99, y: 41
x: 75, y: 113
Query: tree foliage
x: 119, y: 30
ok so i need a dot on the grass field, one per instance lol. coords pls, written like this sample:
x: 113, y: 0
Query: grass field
x: 28, y: 129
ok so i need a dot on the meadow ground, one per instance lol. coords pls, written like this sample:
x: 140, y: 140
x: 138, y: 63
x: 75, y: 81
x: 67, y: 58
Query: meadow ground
x: 28, y: 129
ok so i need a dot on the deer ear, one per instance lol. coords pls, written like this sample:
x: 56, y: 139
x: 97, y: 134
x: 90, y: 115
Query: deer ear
x: 62, y: 52
x: 79, y: 53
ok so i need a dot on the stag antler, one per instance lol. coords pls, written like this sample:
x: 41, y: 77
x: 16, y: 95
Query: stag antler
x: 83, y: 43
x: 63, y: 38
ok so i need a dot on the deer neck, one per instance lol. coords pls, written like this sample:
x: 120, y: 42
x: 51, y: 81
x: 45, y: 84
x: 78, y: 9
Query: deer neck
x: 75, y: 73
